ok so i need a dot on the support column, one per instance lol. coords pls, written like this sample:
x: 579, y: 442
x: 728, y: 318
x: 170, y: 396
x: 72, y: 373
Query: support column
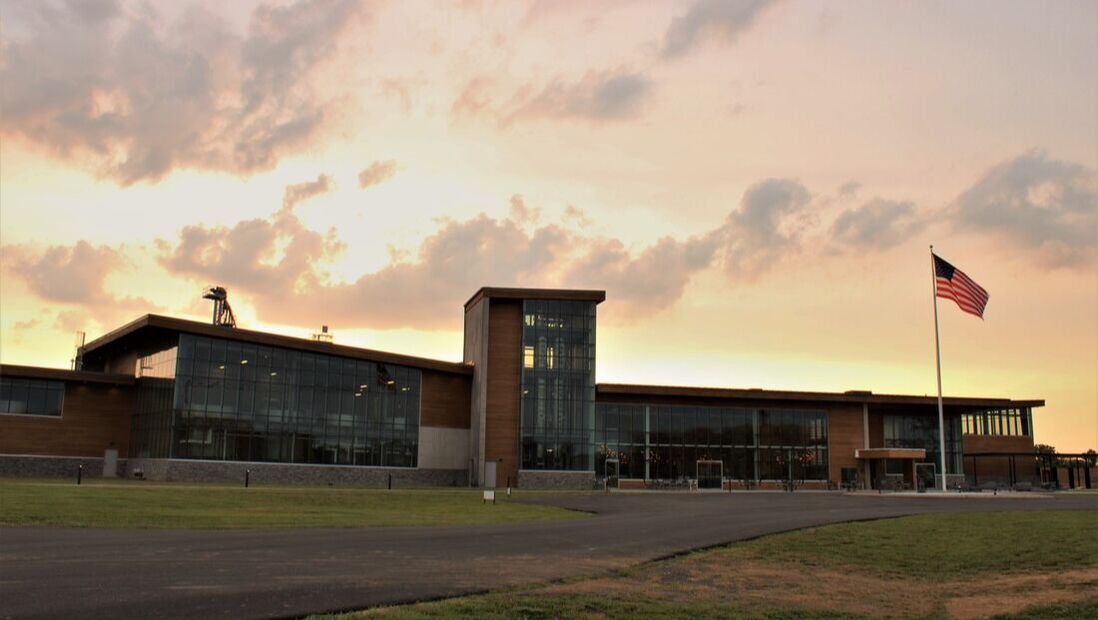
x: 647, y: 442
x: 865, y: 425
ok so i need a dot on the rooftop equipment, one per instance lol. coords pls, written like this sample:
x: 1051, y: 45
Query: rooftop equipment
x: 222, y: 311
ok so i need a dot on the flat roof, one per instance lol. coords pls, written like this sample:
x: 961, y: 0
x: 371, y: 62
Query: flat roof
x: 555, y: 294
x: 63, y: 374
x: 850, y: 396
x: 157, y: 323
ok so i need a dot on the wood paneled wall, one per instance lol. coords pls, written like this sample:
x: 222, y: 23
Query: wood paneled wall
x: 844, y: 436
x: 94, y: 417
x: 501, y: 437
x: 444, y: 399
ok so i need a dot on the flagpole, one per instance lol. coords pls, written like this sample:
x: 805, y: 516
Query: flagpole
x: 938, y: 365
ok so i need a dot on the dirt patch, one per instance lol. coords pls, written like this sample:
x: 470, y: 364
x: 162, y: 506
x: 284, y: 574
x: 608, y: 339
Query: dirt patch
x: 753, y: 584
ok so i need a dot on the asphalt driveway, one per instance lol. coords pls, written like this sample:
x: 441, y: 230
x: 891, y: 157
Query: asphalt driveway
x: 100, y: 573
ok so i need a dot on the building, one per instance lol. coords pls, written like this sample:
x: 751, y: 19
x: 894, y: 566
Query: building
x: 172, y: 399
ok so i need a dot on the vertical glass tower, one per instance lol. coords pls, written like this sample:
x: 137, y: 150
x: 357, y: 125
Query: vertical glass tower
x: 558, y: 385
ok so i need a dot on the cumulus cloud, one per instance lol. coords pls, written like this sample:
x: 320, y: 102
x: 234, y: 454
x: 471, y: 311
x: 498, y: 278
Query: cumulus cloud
x: 652, y: 280
x: 274, y: 255
x: 1036, y: 203
x: 116, y: 87
x: 878, y: 224
x: 421, y: 288
x: 598, y: 96
x: 722, y: 20
x: 377, y: 172
x: 73, y: 275
x: 765, y: 227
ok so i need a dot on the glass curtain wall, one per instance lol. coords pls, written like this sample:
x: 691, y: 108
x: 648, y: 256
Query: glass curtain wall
x: 1012, y: 422
x: 151, y: 429
x: 558, y: 385
x: 666, y: 442
x: 245, y: 402
x: 921, y: 431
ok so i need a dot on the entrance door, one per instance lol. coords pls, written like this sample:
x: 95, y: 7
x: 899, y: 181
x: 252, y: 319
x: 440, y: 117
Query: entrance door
x: 613, y: 473
x: 710, y: 474
x: 925, y: 476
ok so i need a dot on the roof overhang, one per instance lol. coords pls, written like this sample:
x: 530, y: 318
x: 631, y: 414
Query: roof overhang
x: 153, y: 324
x: 554, y: 294
x: 850, y: 396
x: 61, y: 374
x: 889, y: 453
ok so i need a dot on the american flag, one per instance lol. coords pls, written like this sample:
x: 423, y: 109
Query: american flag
x: 952, y: 283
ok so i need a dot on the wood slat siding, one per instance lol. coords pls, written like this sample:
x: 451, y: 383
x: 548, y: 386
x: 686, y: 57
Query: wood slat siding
x: 844, y: 436
x: 985, y: 444
x: 444, y: 400
x: 94, y: 417
x: 504, y: 383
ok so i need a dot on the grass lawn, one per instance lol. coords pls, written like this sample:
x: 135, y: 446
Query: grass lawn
x: 1010, y: 565
x: 132, y: 504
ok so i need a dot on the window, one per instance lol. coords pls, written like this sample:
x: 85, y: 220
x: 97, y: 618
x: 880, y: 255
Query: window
x: 223, y: 400
x: 558, y: 387
x: 31, y: 397
x: 1010, y: 422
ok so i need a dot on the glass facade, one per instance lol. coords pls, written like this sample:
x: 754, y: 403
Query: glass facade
x: 1013, y: 422
x: 31, y: 396
x: 666, y: 442
x: 921, y: 431
x: 558, y: 385
x: 224, y: 400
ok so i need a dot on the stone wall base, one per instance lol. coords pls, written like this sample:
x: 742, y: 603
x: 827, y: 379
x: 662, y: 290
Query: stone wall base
x: 185, y: 470
x: 28, y: 466
x: 565, y: 480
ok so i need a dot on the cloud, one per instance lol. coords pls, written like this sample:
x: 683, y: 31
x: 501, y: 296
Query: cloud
x: 274, y: 255
x: 119, y: 89
x: 878, y: 224
x: 849, y: 189
x: 765, y: 227
x: 73, y: 275
x: 473, y: 99
x: 706, y: 20
x: 377, y: 172
x: 303, y: 191
x: 521, y: 213
x: 652, y: 280
x: 599, y: 96
x: 65, y: 274
x: 1039, y: 204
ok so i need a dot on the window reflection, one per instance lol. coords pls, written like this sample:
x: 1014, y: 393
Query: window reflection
x: 558, y: 385
x: 666, y: 442
x: 221, y: 400
x: 31, y: 396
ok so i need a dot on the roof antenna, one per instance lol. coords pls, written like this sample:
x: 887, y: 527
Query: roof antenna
x: 222, y: 311
x: 323, y: 335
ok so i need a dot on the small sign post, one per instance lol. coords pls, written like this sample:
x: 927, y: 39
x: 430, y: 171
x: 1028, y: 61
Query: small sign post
x: 489, y: 496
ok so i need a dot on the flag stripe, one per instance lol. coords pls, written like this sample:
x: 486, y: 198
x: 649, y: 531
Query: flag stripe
x: 952, y: 283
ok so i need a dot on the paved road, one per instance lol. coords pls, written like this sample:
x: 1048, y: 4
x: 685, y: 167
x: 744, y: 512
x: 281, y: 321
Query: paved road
x: 284, y: 573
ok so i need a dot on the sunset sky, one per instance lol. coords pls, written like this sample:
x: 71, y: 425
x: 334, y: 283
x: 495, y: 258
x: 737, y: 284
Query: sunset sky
x: 753, y: 183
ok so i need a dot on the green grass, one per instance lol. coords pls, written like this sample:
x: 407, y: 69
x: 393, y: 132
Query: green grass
x: 152, y: 505
x: 535, y: 606
x: 911, y: 567
x: 942, y: 547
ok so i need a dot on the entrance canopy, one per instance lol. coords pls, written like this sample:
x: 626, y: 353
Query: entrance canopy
x: 889, y: 453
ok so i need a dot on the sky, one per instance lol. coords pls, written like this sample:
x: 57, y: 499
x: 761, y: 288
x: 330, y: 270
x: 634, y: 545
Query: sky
x: 754, y: 183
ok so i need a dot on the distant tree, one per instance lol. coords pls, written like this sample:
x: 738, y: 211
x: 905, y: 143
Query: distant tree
x: 1044, y: 448
x: 1092, y: 458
